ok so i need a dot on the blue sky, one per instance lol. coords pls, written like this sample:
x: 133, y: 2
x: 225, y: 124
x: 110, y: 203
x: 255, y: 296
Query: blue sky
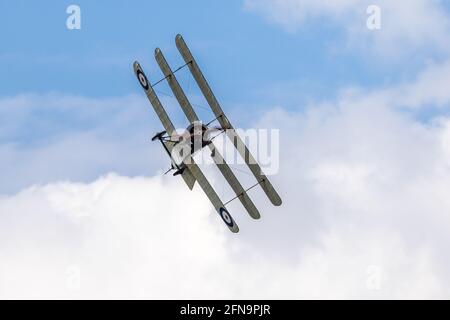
x: 59, y: 84
x: 364, y: 150
x: 243, y: 55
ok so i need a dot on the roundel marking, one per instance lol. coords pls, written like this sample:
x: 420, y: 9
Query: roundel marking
x: 226, y: 217
x: 142, y: 79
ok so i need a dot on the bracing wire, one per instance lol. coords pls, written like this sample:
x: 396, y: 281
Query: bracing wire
x: 176, y: 70
x: 245, y: 191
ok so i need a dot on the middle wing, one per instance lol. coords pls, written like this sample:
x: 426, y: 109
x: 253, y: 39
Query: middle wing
x: 217, y: 157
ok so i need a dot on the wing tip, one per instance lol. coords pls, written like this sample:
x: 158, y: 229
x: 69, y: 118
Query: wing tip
x: 179, y: 41
x: 228, y: 219
x: 277, y: 202
x: 276, y: 199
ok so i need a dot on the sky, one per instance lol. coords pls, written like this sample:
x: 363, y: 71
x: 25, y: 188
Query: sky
x: 364, y: 120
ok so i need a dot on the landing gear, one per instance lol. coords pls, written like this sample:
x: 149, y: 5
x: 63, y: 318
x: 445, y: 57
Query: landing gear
x: 179, y: 147
x: 179, y: 171
x: 159, y: 135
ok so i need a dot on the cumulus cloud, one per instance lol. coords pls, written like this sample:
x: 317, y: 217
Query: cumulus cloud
x: 52, y: 137
x: 406, y: 25
x: 365, y: 215
x: 365, y: 209
x: 430, y: 88
x: 426, y: 90
x: 119, y: 235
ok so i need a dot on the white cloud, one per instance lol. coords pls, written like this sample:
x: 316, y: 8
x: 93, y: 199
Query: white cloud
x: 427, y: 89
x: 292, y: 13
x: 430, y: 88
x: 124, y: 237
x: 365, y: 215
x: 407, y: 25
x: 52, y: 137
x: 365, y: 211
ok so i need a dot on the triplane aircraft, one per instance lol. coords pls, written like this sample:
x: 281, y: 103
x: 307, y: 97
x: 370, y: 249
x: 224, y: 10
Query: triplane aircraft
x: 181, y: 148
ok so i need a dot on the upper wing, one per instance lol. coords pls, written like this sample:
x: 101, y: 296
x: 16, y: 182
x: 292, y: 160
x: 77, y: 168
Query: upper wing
x: 162, y: 114
x: 237, y: 141
x: 217, y: 157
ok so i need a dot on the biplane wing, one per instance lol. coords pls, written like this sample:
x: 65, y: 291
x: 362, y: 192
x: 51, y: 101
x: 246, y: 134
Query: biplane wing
x: 188, y: 110
x: 196, y: 138
x: 212, y: 196
x: 162, y: 115
x: 225, y: 123
x: 192, y: 172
